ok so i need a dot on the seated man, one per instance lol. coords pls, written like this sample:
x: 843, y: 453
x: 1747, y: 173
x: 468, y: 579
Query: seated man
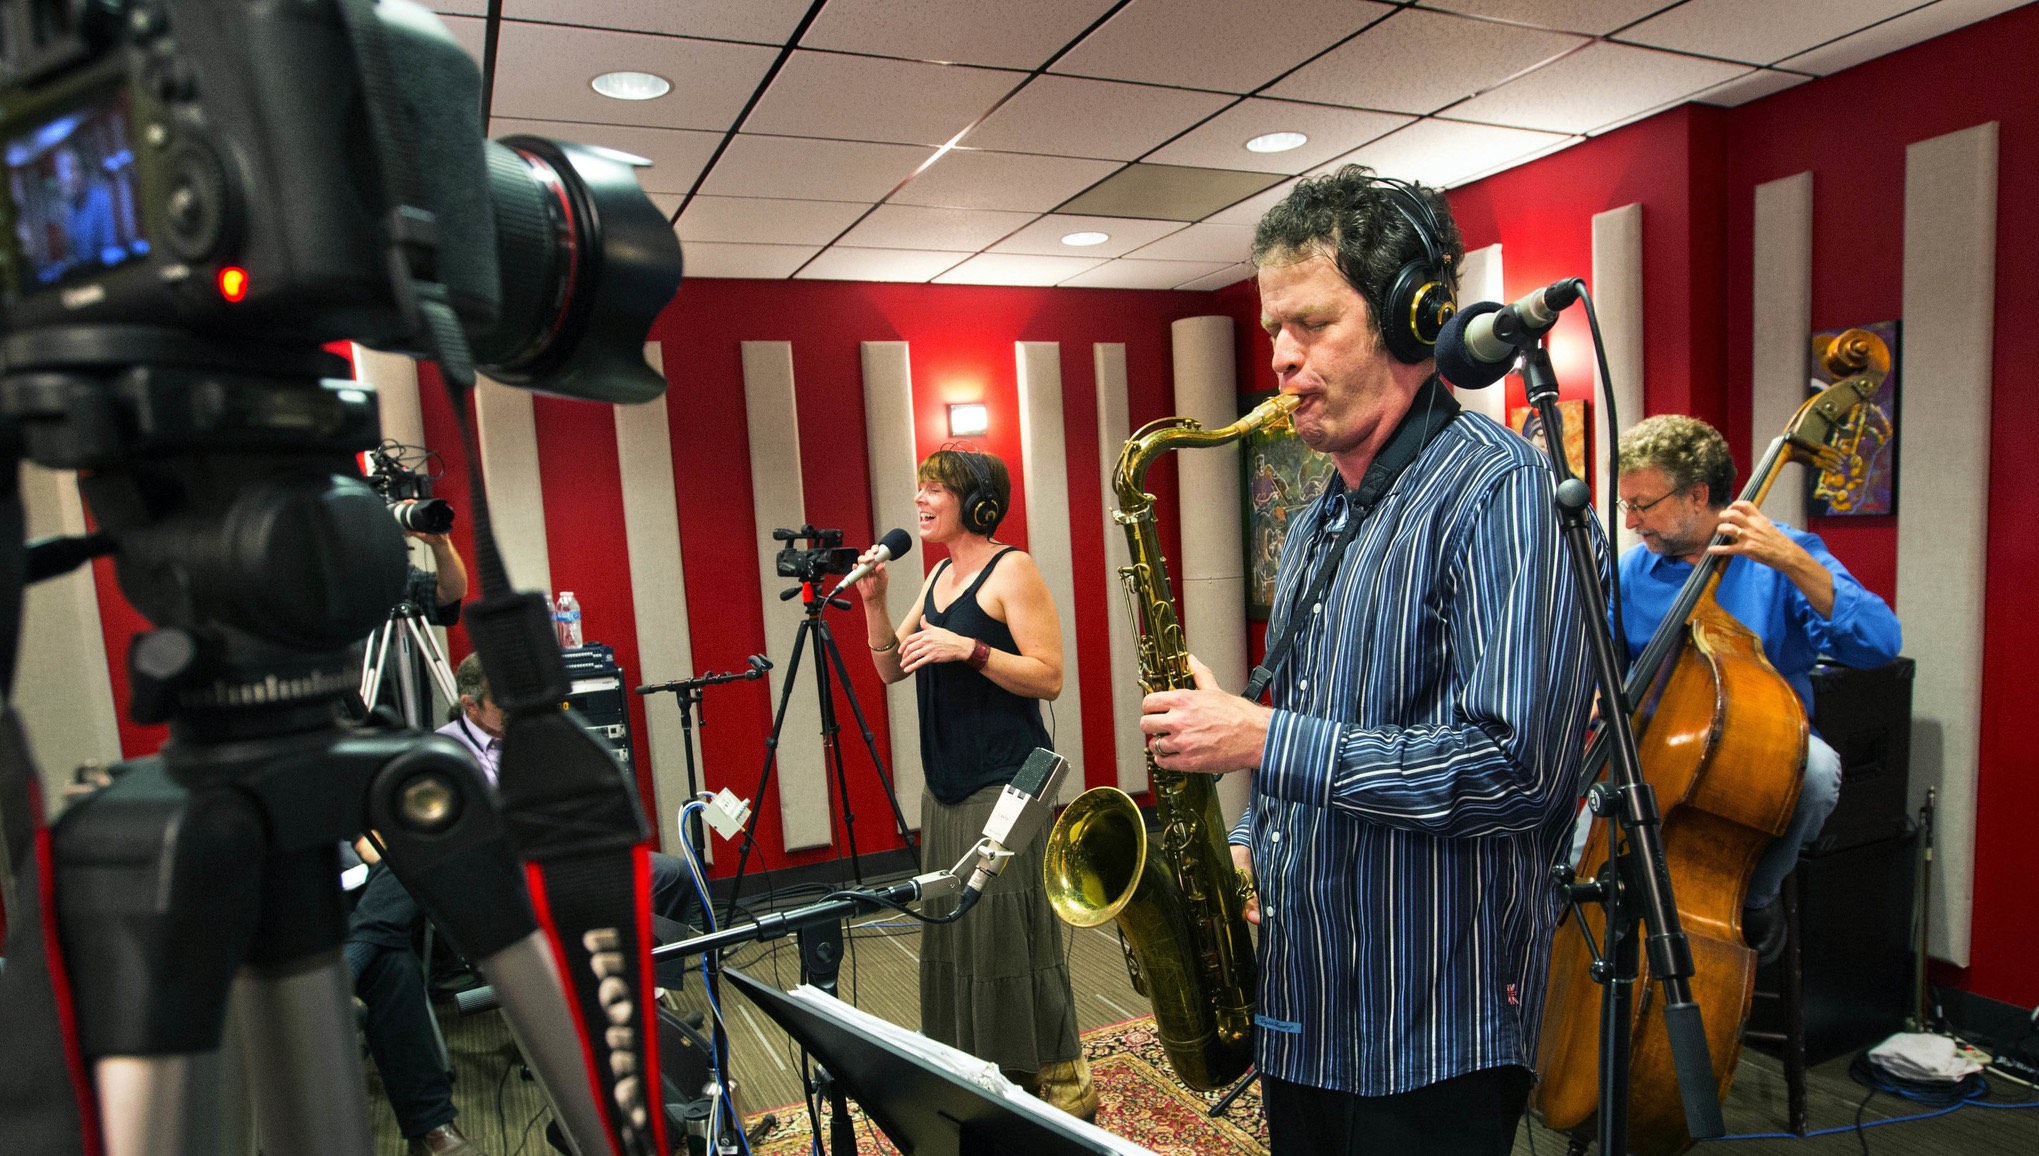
x: 1676, y: 479
x: 389, y: 978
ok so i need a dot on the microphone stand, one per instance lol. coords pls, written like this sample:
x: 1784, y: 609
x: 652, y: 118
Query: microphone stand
x: 688, y: 692
x: 1634, y: 886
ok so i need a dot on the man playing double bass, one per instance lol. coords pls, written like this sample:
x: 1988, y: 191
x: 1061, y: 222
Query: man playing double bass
x: 1675, y: 480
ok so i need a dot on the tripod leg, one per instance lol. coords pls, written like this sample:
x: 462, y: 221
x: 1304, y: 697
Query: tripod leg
x: 435, y: 657
x: 298, y: 1029
x: 750, y: 829
x: 835, y: 655
x: 374, y: 658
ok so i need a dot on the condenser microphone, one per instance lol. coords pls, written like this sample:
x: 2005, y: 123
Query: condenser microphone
x: 1023, y: 808
x: 1480, y: 343
x: 895, y: 544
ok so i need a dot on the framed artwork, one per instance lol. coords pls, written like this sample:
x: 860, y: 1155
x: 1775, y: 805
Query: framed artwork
x: 1279, y: 477
x: 1865, y: 482
x: 1523, y: 420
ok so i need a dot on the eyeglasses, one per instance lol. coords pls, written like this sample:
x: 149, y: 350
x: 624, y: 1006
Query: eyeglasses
x: 1644, y: 507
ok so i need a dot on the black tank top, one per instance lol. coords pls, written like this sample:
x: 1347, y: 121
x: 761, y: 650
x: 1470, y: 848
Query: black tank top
x: 974, y: 733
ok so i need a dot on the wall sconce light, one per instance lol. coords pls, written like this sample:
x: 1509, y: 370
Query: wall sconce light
x: 968, y: 419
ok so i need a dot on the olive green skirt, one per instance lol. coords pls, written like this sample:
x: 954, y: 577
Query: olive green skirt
x: 994, y: 983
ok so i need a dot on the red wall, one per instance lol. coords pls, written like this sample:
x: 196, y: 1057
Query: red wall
x: 961, y: 342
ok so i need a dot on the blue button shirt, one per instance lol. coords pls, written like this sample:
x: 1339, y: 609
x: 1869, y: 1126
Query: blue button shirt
x: 1861, y: 631
x: 1417, y: 776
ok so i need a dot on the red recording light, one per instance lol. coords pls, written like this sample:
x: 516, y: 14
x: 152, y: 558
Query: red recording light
x: 233, y: 283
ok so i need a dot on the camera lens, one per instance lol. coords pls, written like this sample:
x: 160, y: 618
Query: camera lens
x: 425, y: 516
x: 587, y: 262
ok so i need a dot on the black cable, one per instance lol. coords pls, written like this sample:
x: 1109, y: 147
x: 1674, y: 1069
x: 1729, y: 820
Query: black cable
x: 1861, y: 1133
x: 1613, y: 460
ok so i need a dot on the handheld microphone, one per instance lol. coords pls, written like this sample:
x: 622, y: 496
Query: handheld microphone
x: 1480, y: 342
x: 895, y: 544
x: 1023, y: 808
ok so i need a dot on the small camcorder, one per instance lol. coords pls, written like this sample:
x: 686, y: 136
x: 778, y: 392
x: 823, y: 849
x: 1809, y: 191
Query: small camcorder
x: 827, y: 556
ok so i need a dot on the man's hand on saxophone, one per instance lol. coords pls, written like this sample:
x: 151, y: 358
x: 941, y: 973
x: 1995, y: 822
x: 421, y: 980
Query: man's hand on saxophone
x: 1207, y: 730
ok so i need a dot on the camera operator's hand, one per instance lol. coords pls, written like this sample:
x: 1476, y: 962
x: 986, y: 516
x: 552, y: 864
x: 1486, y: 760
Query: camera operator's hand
x: 931, y: 644
x: 451, y: 567
x: 434, y: 540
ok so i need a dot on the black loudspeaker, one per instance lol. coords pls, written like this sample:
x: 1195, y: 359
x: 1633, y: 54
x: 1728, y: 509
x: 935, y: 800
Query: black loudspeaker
x: 1866, y: 716
x: 1854, y: 925
x: 596, y: 693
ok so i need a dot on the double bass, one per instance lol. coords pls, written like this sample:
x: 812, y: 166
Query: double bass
x: 1721, y: 736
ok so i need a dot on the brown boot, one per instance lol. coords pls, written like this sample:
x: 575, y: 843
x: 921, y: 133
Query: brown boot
x: 1065, y: 1084
x: 444, y: 1140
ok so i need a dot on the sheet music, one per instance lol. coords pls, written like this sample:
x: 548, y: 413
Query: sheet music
x: 982, y: 1074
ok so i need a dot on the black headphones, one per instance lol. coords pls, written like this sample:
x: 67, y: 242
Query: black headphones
x: 982, y: 510
x: 1420, y: 298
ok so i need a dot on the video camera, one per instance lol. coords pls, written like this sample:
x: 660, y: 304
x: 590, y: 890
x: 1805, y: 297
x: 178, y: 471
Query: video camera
x: 408, y: 489
x: 828, y: 555
x: 202, y: 194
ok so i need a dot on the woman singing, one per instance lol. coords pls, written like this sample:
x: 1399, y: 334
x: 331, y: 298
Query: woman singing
x: 984, y: 645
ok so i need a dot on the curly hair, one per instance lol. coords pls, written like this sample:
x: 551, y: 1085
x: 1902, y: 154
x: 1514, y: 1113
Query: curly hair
x: 957, y: 471
x: 1688, y: 450
x: 1355, y: 219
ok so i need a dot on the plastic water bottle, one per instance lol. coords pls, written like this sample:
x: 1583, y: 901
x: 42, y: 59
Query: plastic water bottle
x: 566, y: 617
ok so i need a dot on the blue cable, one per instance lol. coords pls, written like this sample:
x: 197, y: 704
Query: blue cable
x: 708, y: 916
x: 1972, y: 1101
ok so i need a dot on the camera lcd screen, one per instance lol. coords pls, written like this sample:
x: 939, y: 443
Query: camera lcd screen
x: 77, y: 205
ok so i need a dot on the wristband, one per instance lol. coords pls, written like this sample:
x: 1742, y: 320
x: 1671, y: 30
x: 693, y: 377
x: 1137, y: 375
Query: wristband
x: 979, y: 655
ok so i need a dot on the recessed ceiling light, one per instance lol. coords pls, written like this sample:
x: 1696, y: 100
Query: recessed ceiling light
x: 632, y: 85
x: 1276, y: 142
x: 1088, y: 237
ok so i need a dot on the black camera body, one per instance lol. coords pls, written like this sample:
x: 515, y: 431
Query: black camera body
x: 827, y: 556
x: 408, y: 491
x: 212, y: 169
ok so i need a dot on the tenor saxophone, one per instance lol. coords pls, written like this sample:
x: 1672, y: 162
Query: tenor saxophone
x: 1181, y: 914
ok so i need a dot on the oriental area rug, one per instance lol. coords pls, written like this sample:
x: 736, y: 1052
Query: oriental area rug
x: 1139, y: 1098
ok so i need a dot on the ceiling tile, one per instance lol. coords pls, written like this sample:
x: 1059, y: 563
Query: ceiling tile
x: 543, y: 72
x: 1014, y: 269
x: 668, y: 203
x: 767, y: 220
x: 1250, y: 210
x: 1217, y: 44
x: 1229, y: 275
x: 823, y: 94
x: 1220, y: 142
x: 1557, y: 144
x: 1168, y: 192
x: 842, y: 263
x: 1227, y: 243
x: 720, y: 259
x: 459, y: 7
x: 757, y: 21
x: 676, y: 155
x: 1418, y: 61
x: 972, y: 179
x: 1441, y: 153
x: 470, y: 33
x: 1144, y: 274
x: 920, y: 227
x: 1593, y: 17
x: 811, y: 170
x: 1911, y: 28
x: 1750, y: 86
x: 1044, y: 237
x: 1001, y: 35
x: 1071, y: 117
x: 1759, y: 31
x: 1596, y: 86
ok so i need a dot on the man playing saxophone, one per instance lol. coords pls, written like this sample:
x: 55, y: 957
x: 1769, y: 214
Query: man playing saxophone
x: 1430, y: 685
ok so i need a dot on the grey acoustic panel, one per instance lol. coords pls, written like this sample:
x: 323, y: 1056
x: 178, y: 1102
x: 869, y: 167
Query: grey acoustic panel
x: 1168, y: 192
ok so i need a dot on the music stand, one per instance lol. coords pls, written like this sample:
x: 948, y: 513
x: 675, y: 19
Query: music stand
x: 923, y: 1108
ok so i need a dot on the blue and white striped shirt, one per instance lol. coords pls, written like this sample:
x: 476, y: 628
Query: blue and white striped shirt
x: 1417, y: 777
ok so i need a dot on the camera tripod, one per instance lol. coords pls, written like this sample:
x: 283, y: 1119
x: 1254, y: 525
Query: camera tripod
x: 826, y: 657
x: 410, y: 636
x: 207, y: 876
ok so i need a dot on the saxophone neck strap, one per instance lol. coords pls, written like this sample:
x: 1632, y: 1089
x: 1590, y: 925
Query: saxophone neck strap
x: 1433, y: 409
